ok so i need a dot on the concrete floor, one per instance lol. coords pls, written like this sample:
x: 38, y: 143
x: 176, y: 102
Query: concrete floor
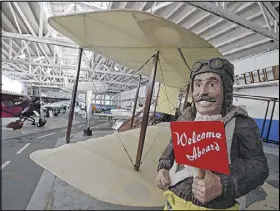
x: 52, y: 193
x: 28, y: 129
x: 25, y: 185
x: 20, y: 175
x: 62, y: 196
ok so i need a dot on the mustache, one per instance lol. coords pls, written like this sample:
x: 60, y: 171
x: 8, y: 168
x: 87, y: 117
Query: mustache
x: 205, y: 98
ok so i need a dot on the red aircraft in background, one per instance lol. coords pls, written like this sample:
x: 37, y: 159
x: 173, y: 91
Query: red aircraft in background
x: 12, y: 105
x: 20, y: 106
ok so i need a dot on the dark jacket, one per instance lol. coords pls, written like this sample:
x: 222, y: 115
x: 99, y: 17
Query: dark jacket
x: 248, y: 168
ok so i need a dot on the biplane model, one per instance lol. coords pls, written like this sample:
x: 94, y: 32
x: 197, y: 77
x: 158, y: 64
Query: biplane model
x: 157, y: 48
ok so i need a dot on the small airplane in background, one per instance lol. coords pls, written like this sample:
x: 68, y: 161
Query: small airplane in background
x: 16, y: 109
x: 56, y: 107
x: 25, y: 108
x: 12, y: 105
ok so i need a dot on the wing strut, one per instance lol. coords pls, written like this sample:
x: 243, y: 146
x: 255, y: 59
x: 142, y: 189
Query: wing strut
x: 73, y: 98
x: 156, y: 103
x: 135, y: 102
x: 145, y: 119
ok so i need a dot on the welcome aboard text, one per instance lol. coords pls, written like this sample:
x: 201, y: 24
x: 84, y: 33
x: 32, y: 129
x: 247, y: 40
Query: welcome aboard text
x: 183, y: 140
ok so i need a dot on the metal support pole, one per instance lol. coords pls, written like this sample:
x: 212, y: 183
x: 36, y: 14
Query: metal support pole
x: 42, y: 116
x: 73, y: 98
x: 87, y: 130
x: 88, y: 107
x: 149, y: 94
x: 264, y: 122
x: 135, y: 102
x: 271, y: 117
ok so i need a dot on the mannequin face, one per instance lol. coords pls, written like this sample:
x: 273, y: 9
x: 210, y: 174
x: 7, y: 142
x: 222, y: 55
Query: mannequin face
x: 208, y: 93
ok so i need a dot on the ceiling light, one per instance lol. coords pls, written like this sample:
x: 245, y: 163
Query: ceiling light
x: 22, y: 56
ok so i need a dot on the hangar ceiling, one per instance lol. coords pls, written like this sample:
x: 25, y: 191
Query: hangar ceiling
x: 39, y: 56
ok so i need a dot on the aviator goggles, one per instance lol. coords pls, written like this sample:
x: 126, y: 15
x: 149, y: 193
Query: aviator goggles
x: 213, y: 64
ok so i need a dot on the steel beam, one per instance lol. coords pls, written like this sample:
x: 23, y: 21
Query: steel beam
x: 8, y: 47
x: 197, y: 21
x: 46, y: 7
x: 5, y: 54
x: 180, y: 4
x: 113, y: 90
x: 24, y: 19
x: 14, y: 16
x: 71, y: 67
x: 56, y: 77
x: 186, y: 15
x: 264, y: 15
x: 22, y: 49
x: 143, y: 6
x: 49, y: 41
x: 89, y: 5
x: 159, y: 6
x: 231, y: 40
x: 270, y: 8
x: 212, y: 36
x: 235, y: 8
x: 41, y: 23
x: 210, y: 7
x: 250, y: 45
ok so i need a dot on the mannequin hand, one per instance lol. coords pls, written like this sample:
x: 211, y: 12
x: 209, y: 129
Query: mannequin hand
x: 162, y: 179
x: 208, y: 188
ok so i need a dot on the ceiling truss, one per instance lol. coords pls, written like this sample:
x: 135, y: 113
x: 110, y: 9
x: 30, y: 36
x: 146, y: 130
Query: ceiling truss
x: 39, y: 56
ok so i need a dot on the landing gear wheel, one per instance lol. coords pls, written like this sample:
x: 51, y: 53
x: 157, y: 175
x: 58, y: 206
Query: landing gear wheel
x: 41, y: 123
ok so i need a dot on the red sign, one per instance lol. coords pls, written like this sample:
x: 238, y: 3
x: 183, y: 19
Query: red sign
x: 201, y: 144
